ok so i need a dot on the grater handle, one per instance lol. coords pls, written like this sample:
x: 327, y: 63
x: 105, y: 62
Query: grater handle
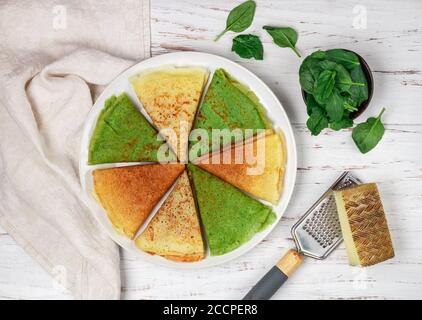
x: 274, y: 279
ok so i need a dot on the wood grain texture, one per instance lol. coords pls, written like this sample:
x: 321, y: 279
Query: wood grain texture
x: 392, y: 46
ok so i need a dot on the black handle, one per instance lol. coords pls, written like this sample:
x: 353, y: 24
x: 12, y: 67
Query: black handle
x: 268, y: 285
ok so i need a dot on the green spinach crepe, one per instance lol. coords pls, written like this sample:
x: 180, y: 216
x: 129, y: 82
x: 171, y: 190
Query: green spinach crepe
x: 228, y: 104
x: 229, y: 216
x: 122, y: 134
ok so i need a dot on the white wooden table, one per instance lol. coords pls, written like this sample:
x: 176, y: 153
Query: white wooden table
x: 392, y: 45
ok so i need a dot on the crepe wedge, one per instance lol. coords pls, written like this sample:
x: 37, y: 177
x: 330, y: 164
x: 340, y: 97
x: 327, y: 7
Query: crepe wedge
x: 122, y: 134
x: 171, y: 96
x: 255, y: 166
x: 229, y: 216
x: 175, y: 231
x: 128, y: 194
x: 227, y: 105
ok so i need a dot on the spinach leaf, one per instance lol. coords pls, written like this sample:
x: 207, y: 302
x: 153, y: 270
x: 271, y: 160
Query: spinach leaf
x: 327, y: 65
x: 344, y: 80
x: 310, y: 104
x: 350, y: 105
x: 284, y: 37
x: 346, y: 58
x: 248, y: 46
x: 359, y: 93
x: 344, y: 123
x: 323, y: 86
x: 318, y: 55
x: 317, y: 121
x: 308, y: 73
x: 367, y: 135
x: 240, y: 18
x: 334, y: 106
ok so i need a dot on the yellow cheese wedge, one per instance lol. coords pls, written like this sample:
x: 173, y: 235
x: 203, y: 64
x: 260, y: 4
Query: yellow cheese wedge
x: 175, y: 232
x: 261, y: 178
x: 171, y: 96
x: 363, y: 224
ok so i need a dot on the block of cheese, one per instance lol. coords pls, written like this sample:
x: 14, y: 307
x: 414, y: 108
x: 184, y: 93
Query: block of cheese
x: 363, y: 225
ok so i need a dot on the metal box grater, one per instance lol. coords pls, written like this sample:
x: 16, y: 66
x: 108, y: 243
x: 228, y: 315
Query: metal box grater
x: 317, y: 233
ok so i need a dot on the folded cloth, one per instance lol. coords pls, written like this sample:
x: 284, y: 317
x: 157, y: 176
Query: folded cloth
x: 54, y: 60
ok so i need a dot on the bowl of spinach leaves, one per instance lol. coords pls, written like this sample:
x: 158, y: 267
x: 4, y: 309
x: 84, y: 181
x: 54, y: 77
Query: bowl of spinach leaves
x: 337, y: 86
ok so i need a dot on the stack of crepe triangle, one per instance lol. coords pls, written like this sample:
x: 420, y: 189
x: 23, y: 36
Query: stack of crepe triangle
x: 227, y: 105
x: 171, y: 96
x: 175, y: 231
x: 126, y: 193
x: 255, y: 166
x: 122, y: 134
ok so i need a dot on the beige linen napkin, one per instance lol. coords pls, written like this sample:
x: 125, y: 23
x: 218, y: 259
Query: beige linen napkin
x: 54, y: 60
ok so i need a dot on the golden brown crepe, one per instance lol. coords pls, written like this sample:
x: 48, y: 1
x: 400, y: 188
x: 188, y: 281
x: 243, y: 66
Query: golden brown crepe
x: 171, y: 95
x: 129, y: 194
x: 265, y: 183
x: 175, y: 232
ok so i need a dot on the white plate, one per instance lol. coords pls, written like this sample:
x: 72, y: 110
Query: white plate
x: 275, y: 112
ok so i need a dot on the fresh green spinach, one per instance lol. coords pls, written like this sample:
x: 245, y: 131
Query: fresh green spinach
x: 308, y: 73
x: 367, y: 135
x: 324, y: 85
x: 310, y: 104
x: 248, y: 46
x: 285, y: 37
x: 240, y: 18
x: 320, y: 55
x: 335, y: 86
x: 334, y: 106
x: 346, y: 58
x: 317, y: 121
x: 343, y: 78
x: 344, y: 123
x: 359, y: 93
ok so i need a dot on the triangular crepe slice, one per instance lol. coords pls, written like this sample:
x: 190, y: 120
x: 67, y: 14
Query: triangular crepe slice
x: 128, y: 194
x: 229, y: 216
x: 122, y: 134
x: 175, y: 232
x: 171, y: 95
x: 255, y: 166
x: 229, y: 105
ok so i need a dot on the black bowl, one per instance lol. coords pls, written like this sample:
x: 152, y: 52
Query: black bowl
x: 368, y: 74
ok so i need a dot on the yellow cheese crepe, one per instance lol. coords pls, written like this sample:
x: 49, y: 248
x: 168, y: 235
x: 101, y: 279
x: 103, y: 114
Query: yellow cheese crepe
x: 171, y: 95
x: 129, y: 194
x: 175, y: 232
x: 259, y: 170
